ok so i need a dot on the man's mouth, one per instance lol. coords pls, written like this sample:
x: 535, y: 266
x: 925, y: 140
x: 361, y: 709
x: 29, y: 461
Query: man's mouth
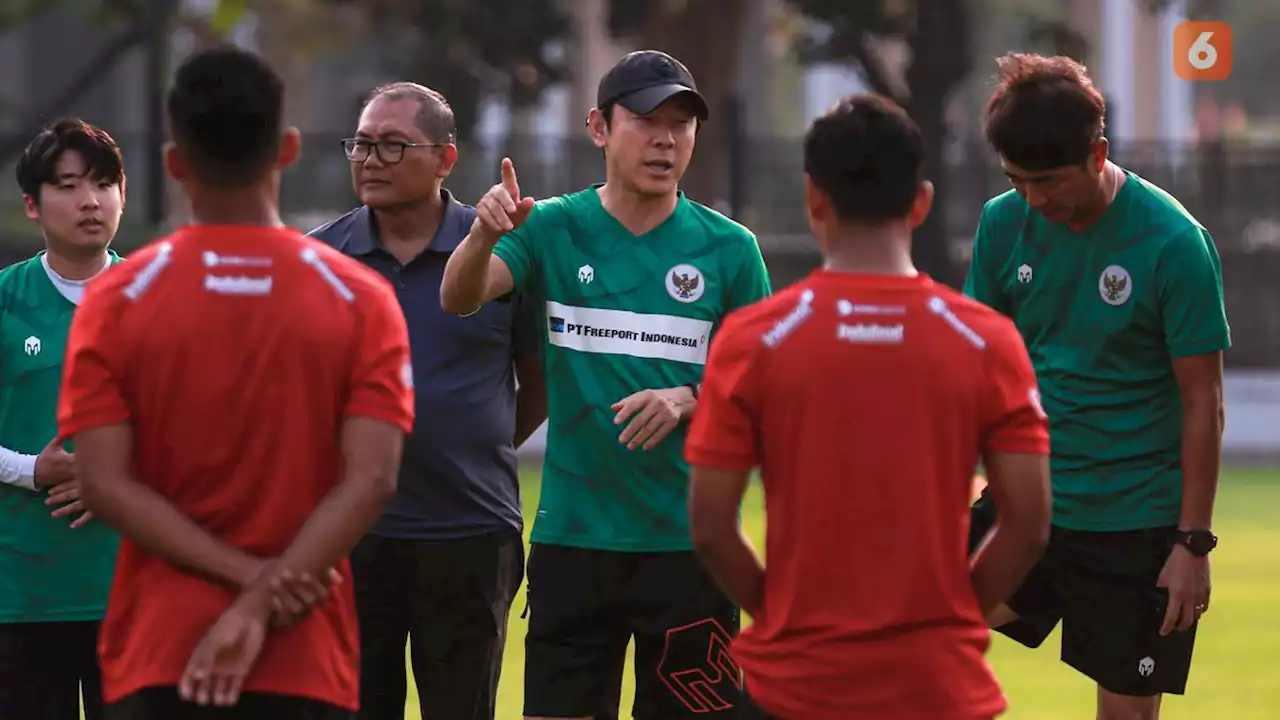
x: 660, y: 166
x: 90, y: 224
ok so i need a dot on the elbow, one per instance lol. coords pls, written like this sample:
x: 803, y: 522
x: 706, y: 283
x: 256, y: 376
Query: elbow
x: 91, y: 496
x: 449, y: 298
x: 382, y: 487
x: 707, y: 536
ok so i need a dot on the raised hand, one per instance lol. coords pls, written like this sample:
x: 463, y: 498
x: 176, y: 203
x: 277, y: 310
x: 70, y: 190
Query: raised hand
x: 502, y: 209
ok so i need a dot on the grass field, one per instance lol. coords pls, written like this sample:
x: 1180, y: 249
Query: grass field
x: 1237, y: 669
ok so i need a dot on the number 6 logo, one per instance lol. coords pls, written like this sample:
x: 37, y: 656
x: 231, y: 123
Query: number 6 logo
x: 1202, y: 51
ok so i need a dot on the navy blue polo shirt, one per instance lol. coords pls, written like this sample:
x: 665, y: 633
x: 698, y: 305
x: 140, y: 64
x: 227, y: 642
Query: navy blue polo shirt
x: 458, y: 477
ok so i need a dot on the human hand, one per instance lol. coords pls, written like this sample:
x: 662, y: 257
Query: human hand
x: 65, y: 498
x: 54, y: 465
x: 501, y: 209
x: 1186, y: 578
x: 294, y: 596
x: 224, y: 657
x: 656, y: 414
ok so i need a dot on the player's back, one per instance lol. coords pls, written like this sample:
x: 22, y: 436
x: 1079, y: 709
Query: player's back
x: 244, y: 342
x: 872, y: 396
x: 239, y: 352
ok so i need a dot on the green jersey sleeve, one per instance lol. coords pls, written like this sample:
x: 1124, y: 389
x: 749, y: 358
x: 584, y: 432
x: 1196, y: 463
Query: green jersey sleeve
x: 519, y: 248
x: 981, y: 283
x: 752, y: 281
x: 1192, y: 309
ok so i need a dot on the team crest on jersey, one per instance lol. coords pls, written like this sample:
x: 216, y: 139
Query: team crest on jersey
x: 1115, y: 285
x: 685, y: 283
x: 586, y: 274
x: 31, y: 346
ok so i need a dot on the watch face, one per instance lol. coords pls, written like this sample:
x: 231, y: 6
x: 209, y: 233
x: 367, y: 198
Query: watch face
x: 1201, y: 543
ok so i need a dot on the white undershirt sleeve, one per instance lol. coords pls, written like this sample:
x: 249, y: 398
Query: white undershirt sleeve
x: 17, y: 469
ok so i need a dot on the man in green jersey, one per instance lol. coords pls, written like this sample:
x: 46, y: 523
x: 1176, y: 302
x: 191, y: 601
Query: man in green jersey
x: 634, y: 279
x: 1117, y: 291
x: 55, y: 572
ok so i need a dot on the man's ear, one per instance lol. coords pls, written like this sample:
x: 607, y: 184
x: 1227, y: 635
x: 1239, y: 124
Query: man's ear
x: 597, y: 128
x: 31, y: 207
x: 290, y: 147
x: 921, y: 206
x: 173, y: 162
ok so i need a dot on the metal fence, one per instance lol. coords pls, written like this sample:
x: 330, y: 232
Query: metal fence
x: 1233, y: 189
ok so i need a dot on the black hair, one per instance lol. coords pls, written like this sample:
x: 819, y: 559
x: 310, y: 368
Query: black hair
x: 39, y: 161
x: 226, y: 113
x: 865, y: 154
x: 435, y: 115
x: 1045, y: 112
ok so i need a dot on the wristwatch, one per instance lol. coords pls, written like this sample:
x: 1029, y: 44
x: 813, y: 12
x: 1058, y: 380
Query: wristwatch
x: 695, y: 388
x: 1198, y: 542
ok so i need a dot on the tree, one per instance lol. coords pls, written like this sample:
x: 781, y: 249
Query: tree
x: 469, y: 50
x: 707, y: 38
x: 937, y: 36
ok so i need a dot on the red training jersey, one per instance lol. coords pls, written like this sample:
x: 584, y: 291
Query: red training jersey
x: 235, y: 353
x: 866, y: 402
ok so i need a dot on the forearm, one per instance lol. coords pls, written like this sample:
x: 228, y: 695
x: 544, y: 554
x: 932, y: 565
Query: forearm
x: 531, y: 410
x: 1202, y: 427
x: 146, y: 518
x: 734, y: 564
x: 337, y: 524
x: 17, y: 469
x: 466, y: 275
x: 1000, y: 566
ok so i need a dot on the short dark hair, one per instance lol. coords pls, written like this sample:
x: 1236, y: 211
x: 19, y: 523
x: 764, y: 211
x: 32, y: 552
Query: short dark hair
x: 1045, y: 112
x: 865, y: 154
x: 226, y: 113
x: 39, y: 161
x: 435, y: 115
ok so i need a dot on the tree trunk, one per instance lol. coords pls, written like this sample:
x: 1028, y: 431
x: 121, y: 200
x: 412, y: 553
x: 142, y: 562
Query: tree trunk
x: 941, y: 57
x: 706, y: 37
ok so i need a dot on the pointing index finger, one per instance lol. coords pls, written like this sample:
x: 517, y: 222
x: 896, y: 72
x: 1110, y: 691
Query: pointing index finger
x: 509, y: 179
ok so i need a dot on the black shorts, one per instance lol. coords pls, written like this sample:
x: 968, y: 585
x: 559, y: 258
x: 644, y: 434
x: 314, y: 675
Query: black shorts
x: 1102, y: 586
x: 164, y: 703
x: 584, y: 608
x: 47, y: 668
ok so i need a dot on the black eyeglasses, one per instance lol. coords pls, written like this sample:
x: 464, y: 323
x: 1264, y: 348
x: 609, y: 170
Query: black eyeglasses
x: 389, y: 151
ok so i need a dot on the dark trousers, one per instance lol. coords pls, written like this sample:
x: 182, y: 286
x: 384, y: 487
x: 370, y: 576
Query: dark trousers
x: 44, y: 669
x: 450, y: 600
x: 164, y: 703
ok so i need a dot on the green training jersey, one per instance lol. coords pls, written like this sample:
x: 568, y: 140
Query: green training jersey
x: 623, y: 313
x: 1103, y: 313
x: 48, y: 572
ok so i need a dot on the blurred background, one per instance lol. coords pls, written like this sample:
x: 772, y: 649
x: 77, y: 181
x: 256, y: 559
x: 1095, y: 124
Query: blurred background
x: 521, y: 75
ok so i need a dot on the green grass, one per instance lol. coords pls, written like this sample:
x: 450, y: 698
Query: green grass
x: 1238, y: 647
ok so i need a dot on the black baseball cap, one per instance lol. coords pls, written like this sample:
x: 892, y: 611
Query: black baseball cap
x: 645, y: 79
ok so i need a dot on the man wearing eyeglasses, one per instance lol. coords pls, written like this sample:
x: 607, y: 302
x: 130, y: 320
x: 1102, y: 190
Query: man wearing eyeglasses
x: 443, y: 564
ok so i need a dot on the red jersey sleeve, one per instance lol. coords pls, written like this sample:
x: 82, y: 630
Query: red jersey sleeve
x: 1017, y: 421
x: 92, y: 392
x: 382, y: 377
x: 724, y: 428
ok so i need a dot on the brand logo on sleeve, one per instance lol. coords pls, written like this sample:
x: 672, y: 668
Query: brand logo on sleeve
x: 685, y: 283
x: 1115, y: 285
x: 1034, y: 396
x: 586, y: 274
x: 1024, y: 274
x: 31, y: 346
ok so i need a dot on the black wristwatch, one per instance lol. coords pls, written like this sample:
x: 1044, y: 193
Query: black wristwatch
x: 695, y: 388
x: 1198, y: 542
